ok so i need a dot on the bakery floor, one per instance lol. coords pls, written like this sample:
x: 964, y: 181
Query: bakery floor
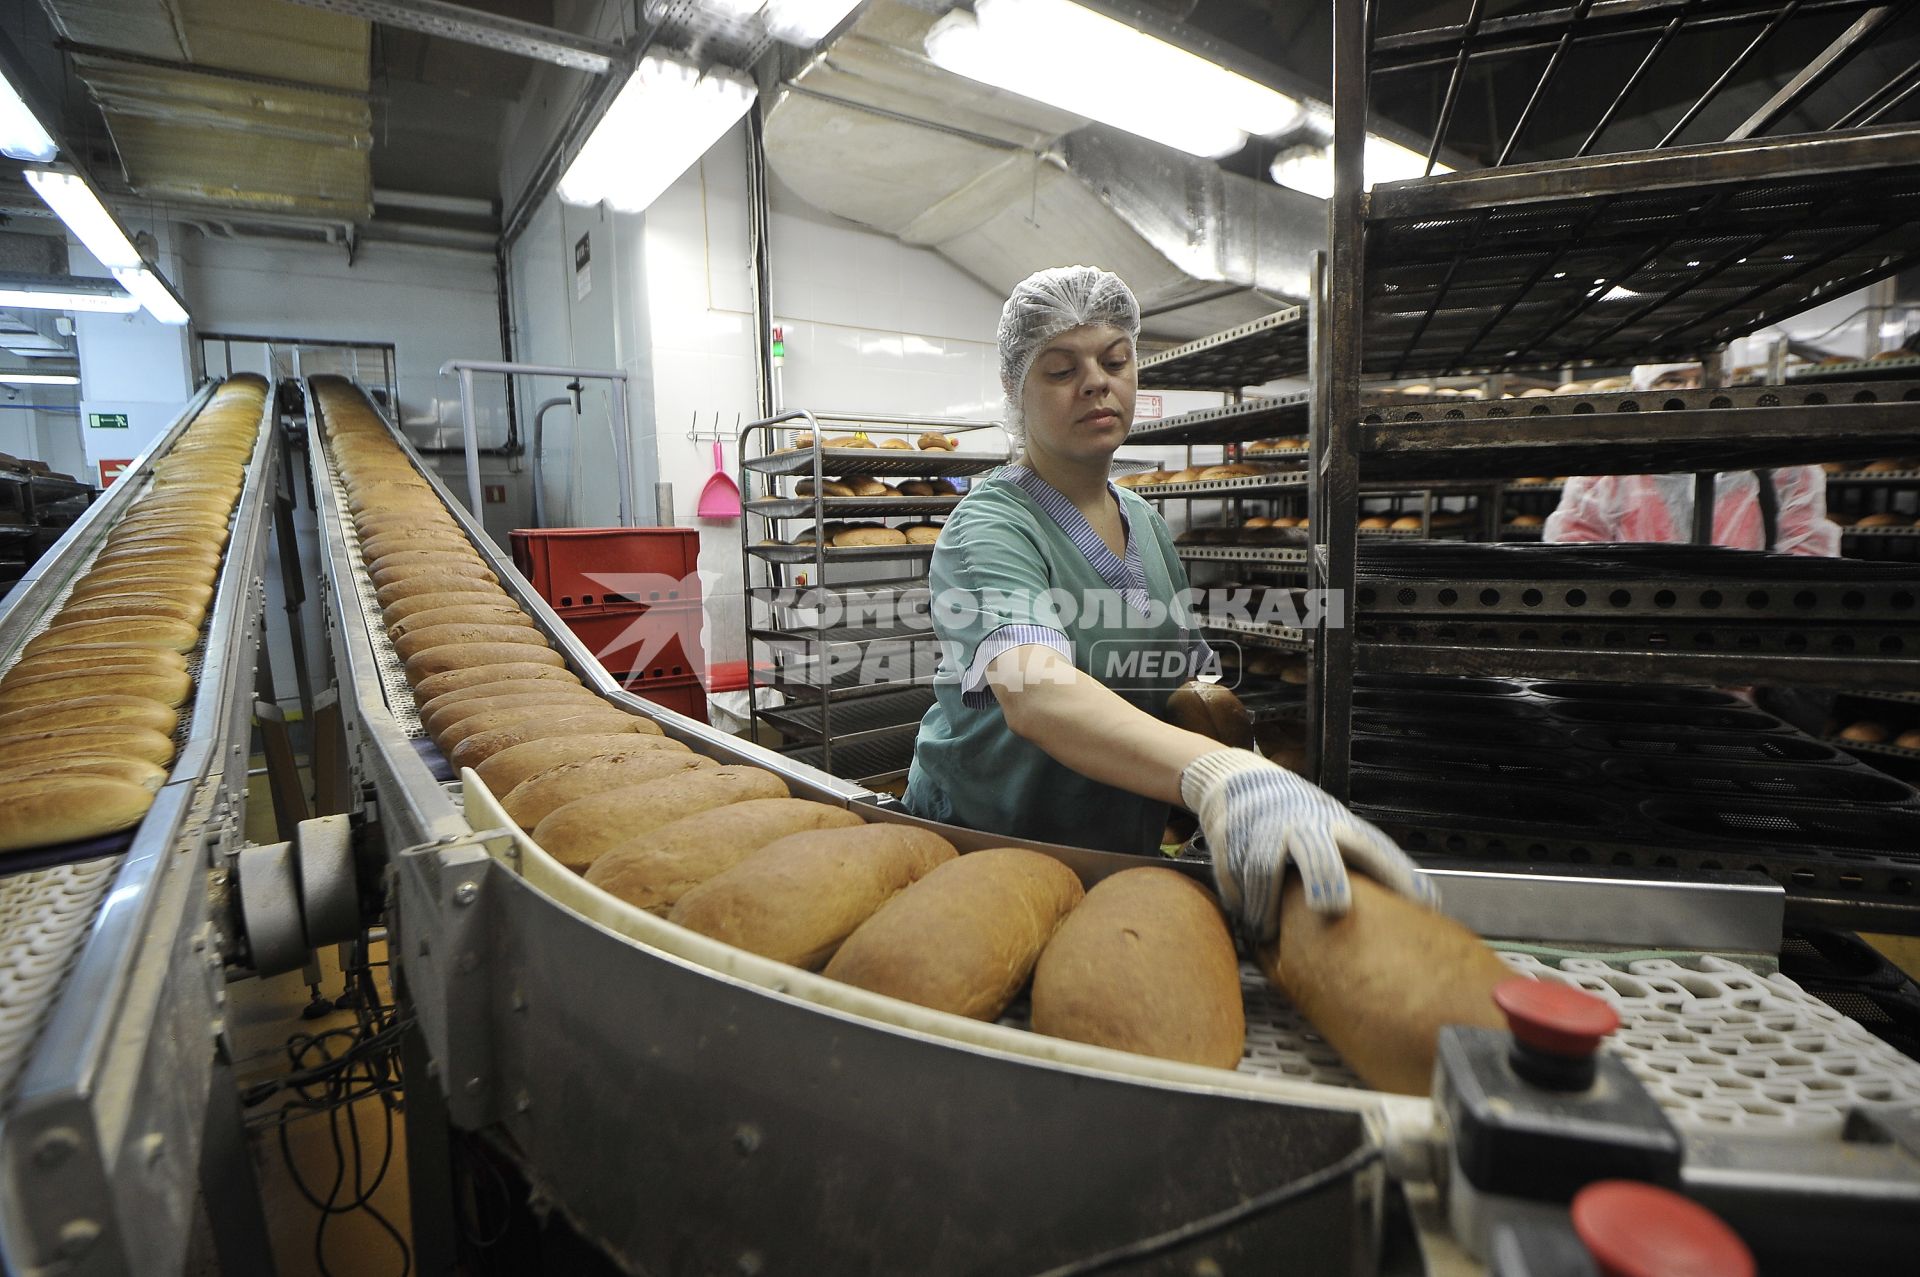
x: 262, y: 1015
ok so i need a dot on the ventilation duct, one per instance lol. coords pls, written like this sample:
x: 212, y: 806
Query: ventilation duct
x: 1002, y: 186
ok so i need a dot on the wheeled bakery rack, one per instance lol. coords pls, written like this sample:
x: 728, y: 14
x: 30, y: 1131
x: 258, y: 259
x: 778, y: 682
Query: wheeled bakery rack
x: 35, y: 508
x: 716, y: 1109
x: 113, y: 1095
x: 1662, y: 253
x: 846, y: 644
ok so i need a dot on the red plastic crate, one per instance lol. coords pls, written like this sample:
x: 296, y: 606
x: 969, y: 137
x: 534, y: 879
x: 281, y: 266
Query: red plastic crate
x: 683, y: 695
x: 585, y: 567
x: 667, y: 634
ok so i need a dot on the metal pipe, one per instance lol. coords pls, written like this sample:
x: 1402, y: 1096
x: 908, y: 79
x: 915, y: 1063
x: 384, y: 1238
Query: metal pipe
x: 458, y: 205
x: 539, y: 424
x: 470, y: 441
x: 620, y: 426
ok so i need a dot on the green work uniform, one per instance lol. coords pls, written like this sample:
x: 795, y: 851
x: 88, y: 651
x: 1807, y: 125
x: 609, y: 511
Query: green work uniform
x: 1017, y: 563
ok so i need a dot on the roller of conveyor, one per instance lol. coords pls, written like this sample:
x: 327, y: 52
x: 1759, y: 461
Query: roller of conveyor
x: 683, y: 1102
x: 109, y: 981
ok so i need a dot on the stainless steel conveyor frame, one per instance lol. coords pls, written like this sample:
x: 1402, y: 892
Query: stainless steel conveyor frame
x: 125, y: 1092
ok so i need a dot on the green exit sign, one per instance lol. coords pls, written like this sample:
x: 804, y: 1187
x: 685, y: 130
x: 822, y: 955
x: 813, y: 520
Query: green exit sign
x: 107, y: 420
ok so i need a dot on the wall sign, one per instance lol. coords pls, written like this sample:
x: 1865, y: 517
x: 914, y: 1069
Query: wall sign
x: 107, y: 421
x: 1148, y: 407
x: 110, y: 470
x: 583, y: 267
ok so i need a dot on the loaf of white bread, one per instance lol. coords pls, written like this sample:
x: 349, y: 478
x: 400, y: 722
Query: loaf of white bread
x: 89, y: 708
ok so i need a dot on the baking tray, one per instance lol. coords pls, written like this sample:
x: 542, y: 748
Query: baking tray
x: 1266, y: 349
x: 1282, y: 416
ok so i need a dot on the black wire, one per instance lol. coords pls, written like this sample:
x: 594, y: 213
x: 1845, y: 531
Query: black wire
x: 1271, y: 1200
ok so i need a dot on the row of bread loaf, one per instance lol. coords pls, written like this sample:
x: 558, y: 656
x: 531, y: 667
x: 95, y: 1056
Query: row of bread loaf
x: 847, y: 535
x: 868, y: 486
x: 929, y: 442
x: 89, y: 710
x: 1201, y: 474
x: 1144, y: 962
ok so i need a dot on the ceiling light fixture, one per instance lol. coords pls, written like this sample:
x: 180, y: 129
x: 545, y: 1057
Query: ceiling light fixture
x: 21, y: 134
x: 1196, y: 106
x: 69, y: 196
x: 801, y: 22
x: 1308, y: 166
x: 667, y: 115
x: 39, y: 379
x: 29, y: 297
x: 153, y: 293
x: 73, y: 198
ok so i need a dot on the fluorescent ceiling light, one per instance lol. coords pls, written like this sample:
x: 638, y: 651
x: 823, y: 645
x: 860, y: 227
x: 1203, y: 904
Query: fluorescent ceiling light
x: 1309, y: 167
x: 54, y: 299
x: 68, y: 195
x: 153, y: 293
x: 801, y: 22
x: 1069, y: 57
x: 39, y: 379
x: 666, y: 116
x: 20, y: 133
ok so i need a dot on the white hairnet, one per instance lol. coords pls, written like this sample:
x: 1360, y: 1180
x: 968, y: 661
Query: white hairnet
x: 1048, y: 303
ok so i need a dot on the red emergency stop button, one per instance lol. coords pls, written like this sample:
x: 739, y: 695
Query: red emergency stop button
x: 1555, y: 1018
x: 1641, y: 1230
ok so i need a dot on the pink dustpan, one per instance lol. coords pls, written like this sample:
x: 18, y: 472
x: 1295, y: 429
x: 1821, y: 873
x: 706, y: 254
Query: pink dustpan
x: 720, y: 497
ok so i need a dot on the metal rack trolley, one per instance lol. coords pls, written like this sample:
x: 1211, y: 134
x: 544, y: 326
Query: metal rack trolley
x: 116, y: 1088
x: 854, y: 661
x: 1661, y: 253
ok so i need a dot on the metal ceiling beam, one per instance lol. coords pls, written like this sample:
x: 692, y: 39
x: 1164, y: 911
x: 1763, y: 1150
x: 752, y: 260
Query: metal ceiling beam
x: 489, y: 31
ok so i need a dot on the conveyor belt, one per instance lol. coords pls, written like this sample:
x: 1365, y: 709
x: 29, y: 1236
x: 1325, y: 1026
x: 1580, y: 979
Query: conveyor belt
x: 88, y: 1048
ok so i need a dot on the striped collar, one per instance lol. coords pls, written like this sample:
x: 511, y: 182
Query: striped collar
x: 1128, y: 574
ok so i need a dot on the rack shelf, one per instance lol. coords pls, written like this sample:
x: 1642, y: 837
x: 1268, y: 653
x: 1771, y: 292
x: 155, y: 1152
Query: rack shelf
x: 1273, y: 484
x: 871, y: 762
x: 1252, y: 354
x: 856, y: 719
x: 1258, y: 554
x: 802, y: 555
x: 1282, y: 416
x: 876, y: 507
x: 1902, y: 366
x: 1875, y: 476
x: 878, y: 462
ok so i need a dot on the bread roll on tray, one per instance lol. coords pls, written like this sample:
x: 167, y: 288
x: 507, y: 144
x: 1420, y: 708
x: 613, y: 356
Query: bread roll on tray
x: 797, y: 898
x: 1144, y: 964
x: 580, y: 832
x: 964, y: 938
x: 654, y: 871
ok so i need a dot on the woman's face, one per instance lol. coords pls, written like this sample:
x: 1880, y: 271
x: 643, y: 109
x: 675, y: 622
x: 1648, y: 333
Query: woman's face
x: 1078, y: 396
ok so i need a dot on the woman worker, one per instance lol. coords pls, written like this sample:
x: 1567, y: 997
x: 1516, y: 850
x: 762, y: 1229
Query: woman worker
x: 1050, y: 586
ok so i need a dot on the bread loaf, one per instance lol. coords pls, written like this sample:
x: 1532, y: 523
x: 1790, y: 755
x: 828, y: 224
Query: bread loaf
x: 466, y: 656
x: 797, y: 898
x: 427, y: 561
x: 412, y: 586
x: 1211, y: 710
x: 415, y: 642
x: 1379, y: 981
x: 557, y: 688
x: 921, y: 533
x: 1144, y: 964
x: 437, y: 571
x: 135, y: 771
x: 492, y: 614
x: 581, y: 831
x: 532, y: 800
x: 513, y: 671
x: 509, y: 765
x: 132, y: 606
x: 85, y: 656
x: 169, y: 687
x: 479, y: 747
x: 869, y: 536
x: 42, y: 810
x: 458, y: 733
x: 130, y: 742
x: 567, y: 698
x: 373, y: 545
x: 964, y: 938
x: 91, y: 711
x: 654, y: 870
x: 400, y: 609
x: 146, y: 632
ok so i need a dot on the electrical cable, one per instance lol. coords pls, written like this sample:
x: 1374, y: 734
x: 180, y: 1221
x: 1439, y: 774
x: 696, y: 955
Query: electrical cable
x: 1273, y: 1199
x: 331, y: 1073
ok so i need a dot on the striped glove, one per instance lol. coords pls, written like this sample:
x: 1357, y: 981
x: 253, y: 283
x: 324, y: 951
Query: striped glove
x: 1260, y: 818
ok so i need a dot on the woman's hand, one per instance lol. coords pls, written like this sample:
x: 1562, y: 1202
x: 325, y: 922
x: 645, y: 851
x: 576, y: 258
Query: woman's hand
x: 1260, y: 818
